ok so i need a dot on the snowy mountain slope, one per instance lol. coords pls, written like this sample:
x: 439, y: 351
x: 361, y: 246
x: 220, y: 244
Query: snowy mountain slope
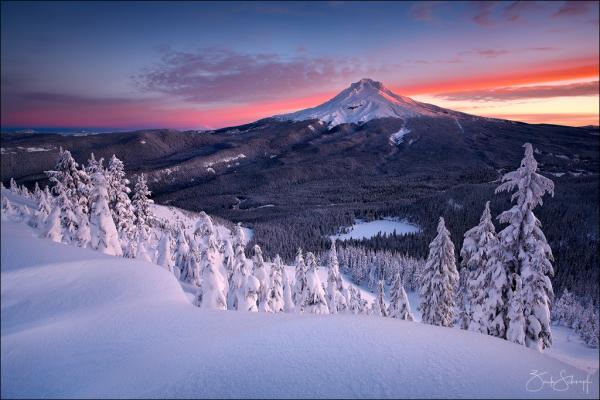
x: 76, y: 323
x: 366, y: 100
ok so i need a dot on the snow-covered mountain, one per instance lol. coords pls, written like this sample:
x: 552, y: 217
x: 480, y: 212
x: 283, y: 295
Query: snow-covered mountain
x: 366, y: 100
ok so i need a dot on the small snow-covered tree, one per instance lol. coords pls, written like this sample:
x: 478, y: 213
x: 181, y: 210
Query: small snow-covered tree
x: 516, y: 320
x: 83, y: 234
x: 288, y: 303
x: 314, y: 299
x: 525, y: 250
x: 439, y: 280
x: 335, y: 300
x: 299, y: 294
x: 37, y: 192
x: 104, y: 235
x: 53, y: 229
x: 191, y: 269
x: 142, y: 252
x: 141, y: 205
x: 14, y: 188
x: 562, y: 312
x: 260, y: 273
x: 379, y: 307
x: 212, y: 293
x: 399, y: 305
x: 44, y: 208
x: 250, y: 289
x: 276, y: 296
x: 165, y: 258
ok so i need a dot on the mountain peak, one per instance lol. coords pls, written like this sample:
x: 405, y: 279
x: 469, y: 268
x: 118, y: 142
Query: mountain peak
x: 363, y: 101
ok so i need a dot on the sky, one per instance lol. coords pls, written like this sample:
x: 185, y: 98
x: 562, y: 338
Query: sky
x: 197, y: 65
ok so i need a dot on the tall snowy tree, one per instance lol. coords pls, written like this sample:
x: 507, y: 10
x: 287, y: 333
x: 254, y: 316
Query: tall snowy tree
x: 14, y: 188
x: 83, y: 234
x: 335, y: 300
x: 276, y: 296
x: 212, y: 293
x: 314, y: 298
x: 399, y: 305
x: 181, y: 252
x: 439, y: 280
x: 486, y: 283
x: 190, y: 271
x: 118, y: 193
x: 104, y: 235
x: 299, y: 294
x: 260, y: 273
x: 141, y: 205
x: 524, y: 249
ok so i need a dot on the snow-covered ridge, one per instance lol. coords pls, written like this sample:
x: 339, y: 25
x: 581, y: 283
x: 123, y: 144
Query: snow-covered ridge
x: 398, y: 137
x: 363, y: 101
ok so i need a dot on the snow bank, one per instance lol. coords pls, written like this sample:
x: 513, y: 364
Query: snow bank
x: 77, y: 323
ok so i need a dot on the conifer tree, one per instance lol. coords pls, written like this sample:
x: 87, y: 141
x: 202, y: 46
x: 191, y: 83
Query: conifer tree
x: 524, y: 249
x: 212, y: 293
x: 104, y: 235
x: 120, y: 205
x: 141, y: 206
x: 516, y: 320
x: 299, y: 294
x: 276, y: 296
x: 335, y: 299
x: 165, y: 258
x: 314, y: 298
x: 439, y: 280
x: 53, y: 230
x: 486, y: 282
x: 288, y: 303
x: 379, y: 307
x: 399, y: 305
x: 260, y: 273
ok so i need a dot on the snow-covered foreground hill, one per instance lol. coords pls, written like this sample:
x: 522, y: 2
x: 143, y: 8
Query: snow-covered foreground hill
x: 77, y: 323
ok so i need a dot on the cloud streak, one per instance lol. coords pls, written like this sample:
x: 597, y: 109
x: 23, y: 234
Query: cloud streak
x: 524, y: 92
x: 219, y: 75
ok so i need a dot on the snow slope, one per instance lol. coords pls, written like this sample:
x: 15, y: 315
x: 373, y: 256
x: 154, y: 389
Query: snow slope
x: 366, y: 100
x: 77, y: 323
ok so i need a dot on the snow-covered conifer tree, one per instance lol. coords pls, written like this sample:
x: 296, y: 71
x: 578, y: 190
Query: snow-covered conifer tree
x: 314, y: 299
x: 53, y: 230
x: 439, y: 280
x: 14, y: 188
x: 165, y: 258
x: 335, y: 299
x: 260, y: 273
x: 212, y: 293
x: 288, y: 303
x: 524, y: 249
x: 191, y: 269
x: 104, y: 235
x: 379, y: 306
x: 83, y: 234
x: 120, y: 204
x: 142, y: 252
x: 486, y: 283
x: 141, y: 205
x: 276, y: 297
x: 299, y: 294
x: 399, y: 305
x: 37, y: 192
x: 43, y: 210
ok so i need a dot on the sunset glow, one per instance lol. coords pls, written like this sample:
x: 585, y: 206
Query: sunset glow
x: 181, y: 67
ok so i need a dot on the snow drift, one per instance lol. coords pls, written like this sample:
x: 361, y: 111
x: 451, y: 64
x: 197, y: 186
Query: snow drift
x: 78, y: 323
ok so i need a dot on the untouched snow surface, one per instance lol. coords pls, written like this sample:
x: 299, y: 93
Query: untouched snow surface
x: 77, y: 323
x: 366, y: 100
x: 365, y: 230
